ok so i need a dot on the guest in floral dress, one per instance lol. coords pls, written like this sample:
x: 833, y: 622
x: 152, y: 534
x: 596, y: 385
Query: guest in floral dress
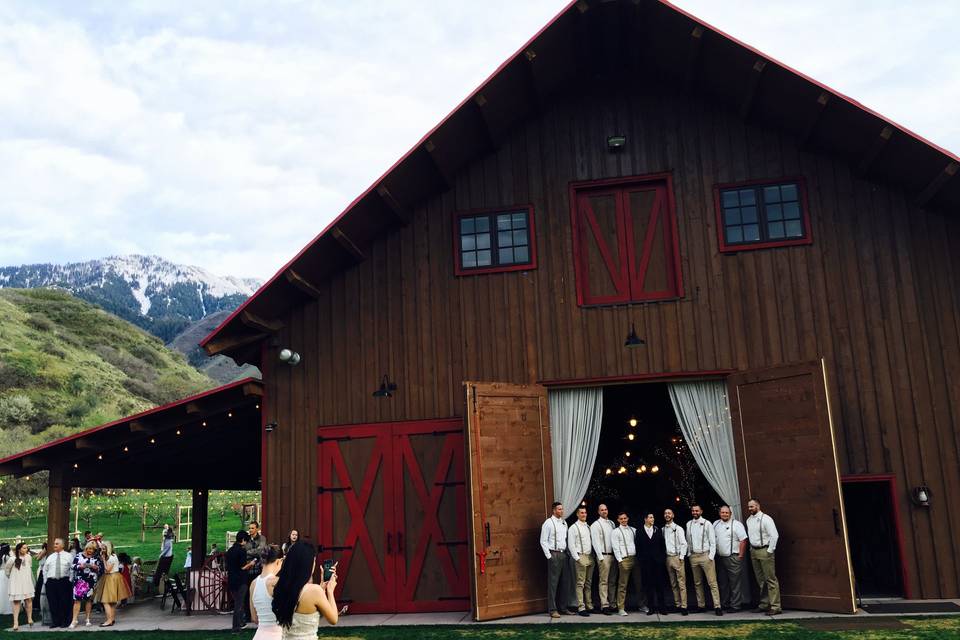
x: 87, y: 569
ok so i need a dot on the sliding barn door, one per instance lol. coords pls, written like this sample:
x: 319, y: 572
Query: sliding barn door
x: 511, y: 489
x: 784, y: 440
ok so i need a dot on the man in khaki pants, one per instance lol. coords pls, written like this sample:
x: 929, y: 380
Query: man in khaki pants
x: 676, y: 545
x: 625, y: 551
x: 600, y: 532
x: 702, y: 543
x: 763, y: 536
x: 581, y: 550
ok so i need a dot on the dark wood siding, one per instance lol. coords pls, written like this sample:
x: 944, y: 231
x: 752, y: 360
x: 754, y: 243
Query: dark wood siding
x: 877, y: 295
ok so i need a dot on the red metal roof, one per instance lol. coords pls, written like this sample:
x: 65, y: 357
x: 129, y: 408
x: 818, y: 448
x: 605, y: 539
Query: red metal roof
x: 272, y: 299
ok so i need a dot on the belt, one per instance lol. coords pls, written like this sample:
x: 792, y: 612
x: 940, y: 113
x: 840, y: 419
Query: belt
x: 608, y: 554
x: 672, y: 555
x: 698, y: 553
x: 556, y: 550
x: 759, y: 547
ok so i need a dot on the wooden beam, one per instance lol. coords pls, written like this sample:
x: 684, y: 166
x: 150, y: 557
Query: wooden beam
x: 693, y: 57
x: 58, y: 506
x: 347, y: 244
x: 753, y: 88
x: 254, y: 321
x: 232, y: 342
x: 87, y: 444
x: 932, y: 189
x: 253, y: 389
x: 403, y: 214
x: 813, y: 120
x: 446, y: 177
x: 33, y: 462
x: 301, y: 283
x: 494, y: 137
x: 871, y: 153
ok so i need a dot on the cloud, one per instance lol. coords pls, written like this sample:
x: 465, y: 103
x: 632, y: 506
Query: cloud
x: 228, y: 134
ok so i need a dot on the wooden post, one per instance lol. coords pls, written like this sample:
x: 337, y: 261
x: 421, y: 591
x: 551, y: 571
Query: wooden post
x: 58, y: 507
x: 198, y: 537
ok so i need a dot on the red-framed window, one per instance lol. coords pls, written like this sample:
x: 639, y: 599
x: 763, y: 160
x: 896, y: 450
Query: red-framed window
x: 494, y: 240
x: 760, y: 214
x: 625, y: 243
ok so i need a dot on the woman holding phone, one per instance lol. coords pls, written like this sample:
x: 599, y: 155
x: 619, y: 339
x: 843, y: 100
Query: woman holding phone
x: 297, y: 601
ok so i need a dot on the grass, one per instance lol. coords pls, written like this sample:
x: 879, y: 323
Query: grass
x: 912, y: 627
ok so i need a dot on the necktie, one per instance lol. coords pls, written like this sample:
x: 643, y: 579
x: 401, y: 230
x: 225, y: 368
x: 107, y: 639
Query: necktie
x: 59, y: 573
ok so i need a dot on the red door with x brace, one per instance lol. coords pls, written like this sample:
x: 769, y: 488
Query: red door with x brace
x: 392, y: 508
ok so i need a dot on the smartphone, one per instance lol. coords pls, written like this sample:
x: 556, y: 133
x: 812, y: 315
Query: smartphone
x: 328, y: 568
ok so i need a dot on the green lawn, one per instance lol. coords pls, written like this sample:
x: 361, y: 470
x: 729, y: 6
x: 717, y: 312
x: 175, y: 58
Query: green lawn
x: 932, y: 628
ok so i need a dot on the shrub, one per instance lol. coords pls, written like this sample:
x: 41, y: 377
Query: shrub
x: 16, y: 410
x: 40, y: 323
x: 20, y: 369
x: 147, y: 353
x: 52, y: 349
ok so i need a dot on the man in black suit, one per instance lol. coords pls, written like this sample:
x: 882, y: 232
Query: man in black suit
x: 237, y: 566
x: 652, y: 555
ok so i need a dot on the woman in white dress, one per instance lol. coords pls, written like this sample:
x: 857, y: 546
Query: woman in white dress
x: 297, y: 601
x: 21, y: 585
x: 261, y: 602
x: 6, y: 608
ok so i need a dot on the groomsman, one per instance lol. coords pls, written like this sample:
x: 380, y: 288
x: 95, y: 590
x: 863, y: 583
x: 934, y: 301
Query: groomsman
x: 600, y: 535
x: 553, y: 541
x: 625, y: 551
x: 651, y: 555
x: 731, y: 547
x: 676, y: 548
x: 702, y: 543
x: 763, y: 536
x: 581, y: 550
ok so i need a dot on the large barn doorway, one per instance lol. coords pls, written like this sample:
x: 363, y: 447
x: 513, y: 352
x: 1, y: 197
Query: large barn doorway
x: 874, y: 538
x: 643, y: 464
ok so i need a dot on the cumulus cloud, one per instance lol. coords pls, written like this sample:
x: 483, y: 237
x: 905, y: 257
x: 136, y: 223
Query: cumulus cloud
x: 228, y: 134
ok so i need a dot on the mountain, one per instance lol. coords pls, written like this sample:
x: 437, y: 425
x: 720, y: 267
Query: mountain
x: 155, y: 294
x: 220, y: 368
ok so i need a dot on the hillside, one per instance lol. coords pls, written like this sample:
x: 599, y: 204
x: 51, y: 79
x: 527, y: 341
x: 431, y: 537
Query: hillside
x: 66, y: 365
x: 152, y: 293
x: 220, y: 368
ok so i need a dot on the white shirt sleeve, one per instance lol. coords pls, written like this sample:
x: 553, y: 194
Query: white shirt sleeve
x: 615, y: 542
x: 772, y: 535
x: 740, y: 533
x: 682, y: 539
x: 571, y: 544
x: 595, y: 538
x: 546, y: 532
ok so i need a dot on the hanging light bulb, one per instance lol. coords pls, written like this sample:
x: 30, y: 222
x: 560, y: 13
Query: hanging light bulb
x: 640, y: 469
x: 633, y: 421
x: 622, y: 470
x: 643, y: 468
x: 630, y: 437
x: 609, y: 471
x: 654, y: 469
x: 627, y: 454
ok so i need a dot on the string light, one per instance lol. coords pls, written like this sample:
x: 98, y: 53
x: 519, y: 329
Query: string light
x: 633, y: 422
x: 654, y: 469
x: 642, y: 468
x: 229, y: 414
x: 178, y: 431
x: 100, y: 457
x: 126, y: 449
x: 153, y: 441
x: 630, y: 437
x: 627, y: 454
x: 622, y: 470
x: 608, y: 471
x: 203, y: 424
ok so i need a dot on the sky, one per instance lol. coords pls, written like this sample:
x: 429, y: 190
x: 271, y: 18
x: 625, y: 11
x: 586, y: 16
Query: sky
x: 226, y: 134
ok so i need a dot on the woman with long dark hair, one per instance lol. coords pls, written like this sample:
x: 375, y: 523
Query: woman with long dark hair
x: 292, y: 538
x: 297, y: 601
x: 20, y: 587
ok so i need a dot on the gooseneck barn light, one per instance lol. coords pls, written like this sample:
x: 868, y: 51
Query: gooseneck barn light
x: 386, y: 388
x: 633, y: 340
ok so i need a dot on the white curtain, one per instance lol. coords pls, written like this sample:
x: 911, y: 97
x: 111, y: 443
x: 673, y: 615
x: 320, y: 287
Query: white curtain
x: 575, y: 416
x: 704, y: 415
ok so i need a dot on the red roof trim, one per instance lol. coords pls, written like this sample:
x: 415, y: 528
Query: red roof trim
x: 509, y: 60
x: 102, y: 427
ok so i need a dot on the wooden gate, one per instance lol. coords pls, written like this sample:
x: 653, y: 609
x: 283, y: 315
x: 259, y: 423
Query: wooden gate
x: 784, y: 441
x: 392, y: 508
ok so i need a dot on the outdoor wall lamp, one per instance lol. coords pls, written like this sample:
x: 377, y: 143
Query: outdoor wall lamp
x: 386, y: 388
x: 616, y: 143
x: 921, y: 496
x: 269, y: 427
x: 633, y: 340
x: 292, y: 358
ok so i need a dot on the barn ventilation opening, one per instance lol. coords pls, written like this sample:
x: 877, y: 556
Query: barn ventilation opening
x: 643, y: 463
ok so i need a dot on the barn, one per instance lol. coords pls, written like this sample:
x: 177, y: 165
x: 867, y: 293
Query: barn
x: 632, y: 205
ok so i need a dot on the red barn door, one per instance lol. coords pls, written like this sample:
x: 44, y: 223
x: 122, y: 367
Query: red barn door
x: 783, y: 436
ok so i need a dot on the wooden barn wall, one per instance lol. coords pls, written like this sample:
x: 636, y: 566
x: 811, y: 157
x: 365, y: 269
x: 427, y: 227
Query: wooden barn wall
x: 877, y: 294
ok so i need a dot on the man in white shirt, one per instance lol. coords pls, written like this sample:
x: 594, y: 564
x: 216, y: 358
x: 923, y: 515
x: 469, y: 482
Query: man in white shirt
x: 731, y: 547
x: 600, y: 536
x: 581, y: 550
x: 702, y: 543
x: 676, y: 546
x: 56, y: 576
x: 553, y: 541
x: 625, y: 551
x: 763, y: 536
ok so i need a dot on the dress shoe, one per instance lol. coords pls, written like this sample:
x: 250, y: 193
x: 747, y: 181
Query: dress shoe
x: 665, y: 611
x: 683, y: 611
x: 718, y: 611
x: 584, y: 613
x: 608, y: 611
x: 759, y: 610
x: 774, y: 612
x: 650, y: 611
x: 554, y: 614
x: 622, y: 612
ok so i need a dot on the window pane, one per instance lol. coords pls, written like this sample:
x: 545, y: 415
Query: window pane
x: 468, y: 243
x: 732, y: 216
x: 503, y: 221
x: 788, y: 192
x: 751, y: 232
x: 791, y: 210
x: 730, y: 199
x: 483, y: 258
x: 519, y: 221
x: 520, y: 237
x: 469, y: 259
x: 483, y: 241
x: 506, y: 256
x: 483, y: 224
x: 794, y: 229
x: 466, y: 225
x: 734, y: 234
x: 504, y: 239
x: 748, y: 214
x: 748, y: 196
x: 774, y: 212
x: 775, y: 229
x: 771, y: 194
x: 521, y: 255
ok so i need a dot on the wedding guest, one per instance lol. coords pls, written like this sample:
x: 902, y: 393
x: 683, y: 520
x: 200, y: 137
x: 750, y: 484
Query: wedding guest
x: 297, y: 602
x: 56, y: 580
x: 20, y: 587
x: 87, y: 569
x: 261, y: 602
x: 114, y: 588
